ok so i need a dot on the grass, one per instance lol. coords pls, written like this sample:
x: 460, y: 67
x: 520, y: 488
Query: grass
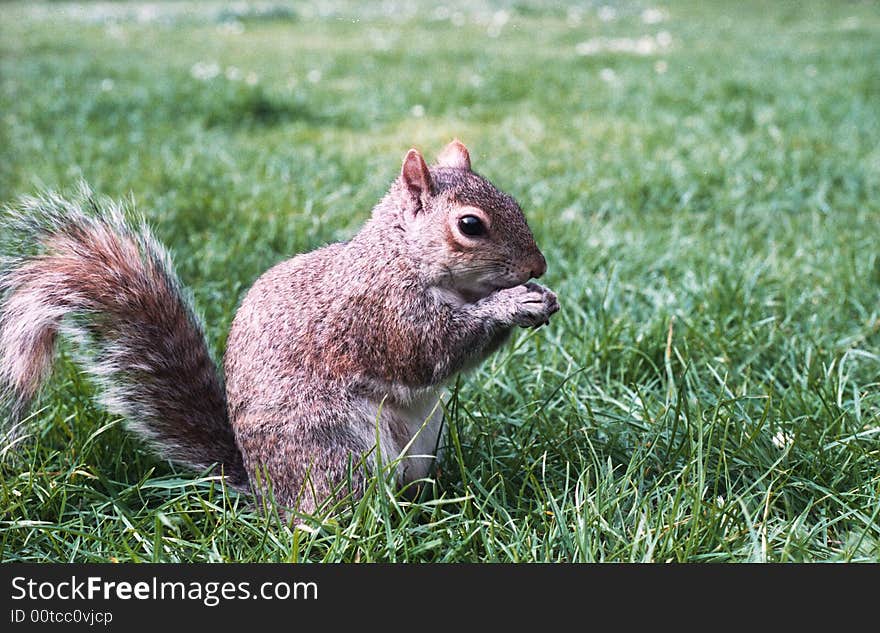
x: 709, y: 211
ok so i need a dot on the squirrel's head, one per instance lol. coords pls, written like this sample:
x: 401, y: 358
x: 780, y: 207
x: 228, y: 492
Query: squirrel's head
x: 470, y: 237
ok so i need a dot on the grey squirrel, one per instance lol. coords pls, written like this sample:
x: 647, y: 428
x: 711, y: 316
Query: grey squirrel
x: 328, y: 351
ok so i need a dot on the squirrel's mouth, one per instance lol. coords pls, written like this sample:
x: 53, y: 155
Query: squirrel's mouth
x: 472, y: 293
x: 507, y: 283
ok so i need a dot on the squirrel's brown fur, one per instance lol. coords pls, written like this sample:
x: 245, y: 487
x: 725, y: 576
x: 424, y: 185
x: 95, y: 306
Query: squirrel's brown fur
x: 335, y: 358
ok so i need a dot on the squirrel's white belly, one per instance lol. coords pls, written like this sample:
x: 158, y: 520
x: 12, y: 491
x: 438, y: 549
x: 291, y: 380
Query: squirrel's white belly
x: 410, y: 432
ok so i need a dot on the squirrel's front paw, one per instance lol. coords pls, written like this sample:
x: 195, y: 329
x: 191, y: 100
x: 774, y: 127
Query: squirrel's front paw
x: 529, y: 305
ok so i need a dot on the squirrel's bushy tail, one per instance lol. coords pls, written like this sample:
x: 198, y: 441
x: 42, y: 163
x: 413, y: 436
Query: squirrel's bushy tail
x: 109, y: 286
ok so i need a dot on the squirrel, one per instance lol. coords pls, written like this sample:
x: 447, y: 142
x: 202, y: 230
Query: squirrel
x: 333, y: 356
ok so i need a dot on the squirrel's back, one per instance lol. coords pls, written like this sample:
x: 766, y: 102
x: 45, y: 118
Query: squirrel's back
x: 269, y: 343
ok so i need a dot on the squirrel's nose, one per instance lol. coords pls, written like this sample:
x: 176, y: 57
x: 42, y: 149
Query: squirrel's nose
x: 539, y: 267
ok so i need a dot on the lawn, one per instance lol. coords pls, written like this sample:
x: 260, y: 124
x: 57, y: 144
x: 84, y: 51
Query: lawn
x: 703, y: 178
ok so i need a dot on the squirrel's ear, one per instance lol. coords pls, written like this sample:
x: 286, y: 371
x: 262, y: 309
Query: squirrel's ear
x: 415, y: 175
x: 455, y: 155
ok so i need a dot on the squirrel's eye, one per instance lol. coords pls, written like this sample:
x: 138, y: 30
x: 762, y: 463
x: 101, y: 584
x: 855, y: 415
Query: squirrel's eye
x: 471, y: 225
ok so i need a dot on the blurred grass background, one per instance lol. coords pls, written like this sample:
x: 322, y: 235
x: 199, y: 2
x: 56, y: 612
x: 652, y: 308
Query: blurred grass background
x: 702, y: 177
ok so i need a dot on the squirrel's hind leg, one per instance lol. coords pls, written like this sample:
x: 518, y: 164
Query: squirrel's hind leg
x: 303, y: 467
